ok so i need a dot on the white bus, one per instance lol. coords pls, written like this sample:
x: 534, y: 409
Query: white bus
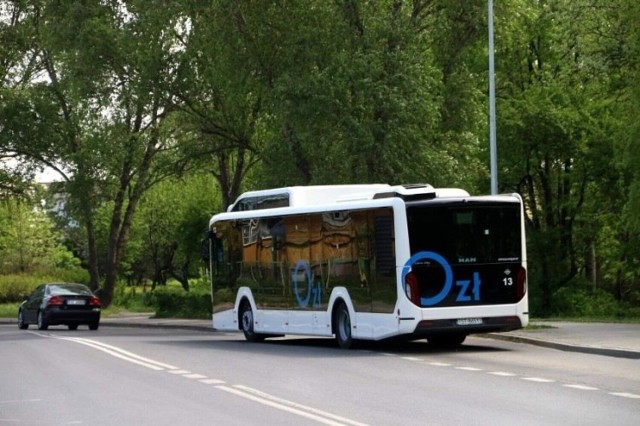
x: 369, y: 262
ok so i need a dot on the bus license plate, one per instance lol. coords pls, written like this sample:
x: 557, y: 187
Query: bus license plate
x: 469, y: 321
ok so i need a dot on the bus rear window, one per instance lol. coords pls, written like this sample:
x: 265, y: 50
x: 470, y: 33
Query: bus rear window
x: 466, y: 232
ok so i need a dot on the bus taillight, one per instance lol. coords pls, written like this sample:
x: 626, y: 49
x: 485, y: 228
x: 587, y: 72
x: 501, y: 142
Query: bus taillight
x: 411, y: 288
x: 521, y: 279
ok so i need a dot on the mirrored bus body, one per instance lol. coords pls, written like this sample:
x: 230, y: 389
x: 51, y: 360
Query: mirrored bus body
x: 378, y: 262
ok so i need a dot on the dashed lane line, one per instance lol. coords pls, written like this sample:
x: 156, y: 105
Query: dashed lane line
x: 625, y: 395
x: 194, y: 376
x: 238, y: 390
x: 213, y: 381
x: 509, y: 374
x: 580, y: 387
x: 502, y: 373
x: 538, y: 379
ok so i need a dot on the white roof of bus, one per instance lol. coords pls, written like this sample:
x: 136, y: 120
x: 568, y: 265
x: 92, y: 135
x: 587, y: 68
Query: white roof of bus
x: 313, y: 195
x: 304, y: 199
x: 318, y: 194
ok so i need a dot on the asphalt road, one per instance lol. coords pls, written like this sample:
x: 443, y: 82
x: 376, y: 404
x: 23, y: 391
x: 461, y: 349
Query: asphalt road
x: 144, y: 376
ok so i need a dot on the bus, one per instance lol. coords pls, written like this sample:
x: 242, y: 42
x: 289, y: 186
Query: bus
x: 369, y: 262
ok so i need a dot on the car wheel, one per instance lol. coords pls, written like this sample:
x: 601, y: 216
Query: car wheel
x: 21, y: 324
x: 342, y: 324
x: 246, y: 316
x: 94, y: 325
x: 72, y: 326
x: 42, y: 322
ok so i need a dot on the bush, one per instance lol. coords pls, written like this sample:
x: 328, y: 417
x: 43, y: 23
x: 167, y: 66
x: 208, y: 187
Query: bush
x: 132, y: 298
x: 177, y: 303
x: 579, y: 302
x: 14, y: 287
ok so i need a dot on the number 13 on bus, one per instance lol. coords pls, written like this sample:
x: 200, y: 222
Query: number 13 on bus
x: 369, y: 262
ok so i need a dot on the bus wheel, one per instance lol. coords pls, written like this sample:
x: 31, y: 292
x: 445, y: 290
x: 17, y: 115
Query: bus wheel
x: 342, y: 324
x: 453, y: 339
x: 246, y: 316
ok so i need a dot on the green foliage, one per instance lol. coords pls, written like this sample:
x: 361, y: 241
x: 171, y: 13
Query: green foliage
x: 13, y: 287
x: 176, y: 303
x: 166, y: 235
x: 132, y: 298
x: 578, y: 302
x: 126, y: 95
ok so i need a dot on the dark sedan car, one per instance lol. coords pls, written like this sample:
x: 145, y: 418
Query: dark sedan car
x: 60, y: 303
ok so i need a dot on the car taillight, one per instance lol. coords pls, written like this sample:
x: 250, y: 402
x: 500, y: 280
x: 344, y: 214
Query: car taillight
x: 411, y: 288
x: 94, y: 301
x: 55, y: 301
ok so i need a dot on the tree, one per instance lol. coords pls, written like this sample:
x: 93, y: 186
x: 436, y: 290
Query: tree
x: 108, y: 70
x: 168, y: 230
x: 556, y: 129
x: 28, y: 241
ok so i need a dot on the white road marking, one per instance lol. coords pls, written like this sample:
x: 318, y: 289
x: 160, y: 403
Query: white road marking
x: 501, y: 373
x: 194, y: 376
x: 239, y: 390
x: 538, y: 380
x: 19, y: 401
x: 440, y: 364
x: 580, y: 387
x: 289, y: 406
x: 121, y: 353
x: 411, y: 358
x: 213, y: 381
x: 468, y: 368
x: 625, y: 395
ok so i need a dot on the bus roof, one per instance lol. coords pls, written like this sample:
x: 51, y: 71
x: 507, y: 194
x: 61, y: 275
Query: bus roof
x: 314, y: 195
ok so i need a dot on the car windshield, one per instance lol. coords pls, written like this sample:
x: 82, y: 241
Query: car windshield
x: 69, y: 289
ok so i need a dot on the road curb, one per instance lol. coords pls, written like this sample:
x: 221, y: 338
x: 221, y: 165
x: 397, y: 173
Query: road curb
x: 611, y: 352
x: 179, y: 326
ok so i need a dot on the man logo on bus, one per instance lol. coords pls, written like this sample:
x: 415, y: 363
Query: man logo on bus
x: 463, y: 285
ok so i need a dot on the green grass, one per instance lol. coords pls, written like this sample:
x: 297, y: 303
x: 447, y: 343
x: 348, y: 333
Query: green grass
x: 9, y: 310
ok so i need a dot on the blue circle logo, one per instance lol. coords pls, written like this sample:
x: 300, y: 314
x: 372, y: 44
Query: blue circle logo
x: 448, y: 282
x: 302, y: 264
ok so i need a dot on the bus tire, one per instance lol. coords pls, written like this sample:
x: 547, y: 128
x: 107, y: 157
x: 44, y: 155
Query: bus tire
x: 342, y: 326
x: 246, y: 319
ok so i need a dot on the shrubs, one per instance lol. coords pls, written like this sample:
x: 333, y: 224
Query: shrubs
x: 177, y: 303
x: 14, y: 287
x: 575, y: 302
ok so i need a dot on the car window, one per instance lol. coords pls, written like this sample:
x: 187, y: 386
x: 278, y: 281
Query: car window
x: 69, y: 290
x: 38, y: 293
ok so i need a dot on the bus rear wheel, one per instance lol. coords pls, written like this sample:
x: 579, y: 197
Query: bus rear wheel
x: 342, y: 324
x: 246, y: 318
